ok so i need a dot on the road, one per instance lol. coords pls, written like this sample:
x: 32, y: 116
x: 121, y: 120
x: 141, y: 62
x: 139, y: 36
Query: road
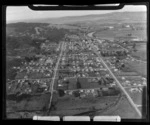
x: 118, y: 83
x: 55, y: 72
x: 91, y: 34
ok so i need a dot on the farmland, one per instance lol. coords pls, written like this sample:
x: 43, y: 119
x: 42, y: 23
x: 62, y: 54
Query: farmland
x: 140, y: 53
x: 123, y: 109
x: 120, y: 31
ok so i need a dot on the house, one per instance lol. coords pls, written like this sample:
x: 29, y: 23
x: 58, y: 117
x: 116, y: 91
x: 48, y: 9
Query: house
x: 105, y: 89
x: 133, y: 89
x: 144, y: 83
x: 82, y: 95
x: 123, y: 78
x: 127, y: 26
x: 110, y: 27
x: 70, y: 92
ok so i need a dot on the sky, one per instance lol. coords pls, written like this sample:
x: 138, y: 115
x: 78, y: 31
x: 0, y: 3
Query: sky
x: 14, y: 13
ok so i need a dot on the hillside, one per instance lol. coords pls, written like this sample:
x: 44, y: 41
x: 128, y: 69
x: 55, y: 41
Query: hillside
x: 98, y: 18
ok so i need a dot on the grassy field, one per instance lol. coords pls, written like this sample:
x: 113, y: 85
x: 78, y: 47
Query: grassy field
x: 140, y: 68
x: 136, y: 96
x: 72, y: 106
x: 19, y: 115
x: 112, y: 33
x: 137, y: 69
x: 29, y: 104
x: 141, y: 52
x: 123, y: 109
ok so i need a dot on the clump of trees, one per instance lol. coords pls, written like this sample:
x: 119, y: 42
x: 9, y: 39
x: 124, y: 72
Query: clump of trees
x: 22, y: 27
x: 134, y: 47
x: 78, y: 84
x: 31, y: 58
x: 25, y: 45
x: 37, y: 43
x: 17, y: 98
x: 61, y: 92
x: 55, y: 34
x: 76, y: 93
x: 112, y: 91
x: 21, y: 43
x: 114, y: 53
x: 105, y: 80
x: 12, y: 43
x: 10, y: 72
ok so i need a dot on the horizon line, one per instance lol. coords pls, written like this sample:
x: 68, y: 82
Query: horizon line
x: 30, y: 19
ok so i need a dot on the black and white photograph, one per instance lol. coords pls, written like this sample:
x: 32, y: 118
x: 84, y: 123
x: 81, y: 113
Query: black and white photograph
x: 89, y: 64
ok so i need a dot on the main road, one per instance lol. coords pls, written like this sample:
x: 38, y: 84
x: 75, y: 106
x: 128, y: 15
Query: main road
x: 118, y: 83
x: 51, y: 88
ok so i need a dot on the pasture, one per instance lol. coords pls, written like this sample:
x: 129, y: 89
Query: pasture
x: 141, y: 52
x: 110, y: 34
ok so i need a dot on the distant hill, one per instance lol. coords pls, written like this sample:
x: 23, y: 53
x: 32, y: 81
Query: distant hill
x: 120, y: 17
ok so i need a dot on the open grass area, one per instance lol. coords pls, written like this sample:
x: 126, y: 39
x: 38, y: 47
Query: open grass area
x: 140, y: 68
x: 141, y: 52
x: 87, y: 85
x: 72, y: 106
x: 110, y: 34
x: 16, y: 115
x: 29, y: 104
x: 123, y: 109
x: 137, y: 68
x: 136, y: 96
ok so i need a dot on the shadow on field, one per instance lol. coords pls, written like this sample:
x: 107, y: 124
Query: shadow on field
x: 144, y: 103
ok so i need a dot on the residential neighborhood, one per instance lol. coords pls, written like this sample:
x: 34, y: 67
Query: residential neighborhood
x: 86, y: 68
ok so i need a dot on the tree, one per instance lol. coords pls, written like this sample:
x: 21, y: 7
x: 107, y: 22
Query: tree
x: 129, y: 34
x: 109, y: 79
x: 78, y: 84
x: 123, y: 65
x: 102, y: 81
x: 53, y: 107
x: 124, y: 53
x: 134, y: 47
x: 76, y: 93
x: 99, y: 82
x: 44, y: 108
x: 117, y: 60
x: 61, y: 92
x: 34, y: 88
